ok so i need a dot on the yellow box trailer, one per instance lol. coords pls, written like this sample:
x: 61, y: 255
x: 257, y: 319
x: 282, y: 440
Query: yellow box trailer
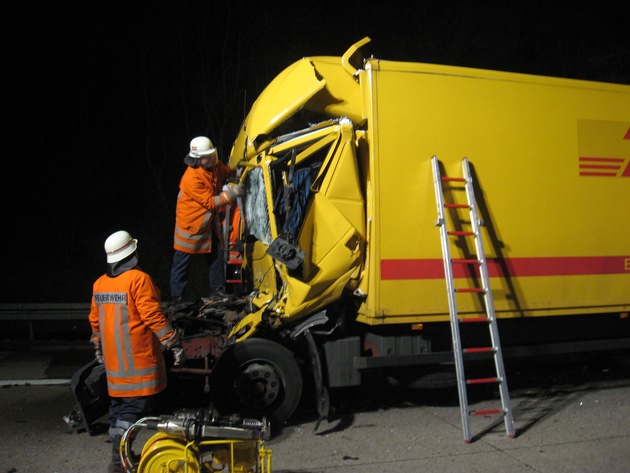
x: 551, y: 159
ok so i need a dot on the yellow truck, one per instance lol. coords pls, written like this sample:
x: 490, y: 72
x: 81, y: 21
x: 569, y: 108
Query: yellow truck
x: 342, y: 253
x: 342, y: 266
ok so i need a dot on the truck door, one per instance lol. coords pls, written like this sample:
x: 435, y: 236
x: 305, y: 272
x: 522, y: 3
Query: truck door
x: 317, y: 217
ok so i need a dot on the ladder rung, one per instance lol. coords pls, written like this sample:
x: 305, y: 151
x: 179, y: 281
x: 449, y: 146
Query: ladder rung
x: 483, y: 412
x: 465, y: 261
x: 482, y: 380
x: 460, y: 233
x: 470, y: 289
x: 475, y: 319
x: 457, y: 179
x: 479, y: 350
x: 457, y: 206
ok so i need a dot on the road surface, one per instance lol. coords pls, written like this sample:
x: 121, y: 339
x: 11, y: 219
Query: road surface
x: 572, y: 414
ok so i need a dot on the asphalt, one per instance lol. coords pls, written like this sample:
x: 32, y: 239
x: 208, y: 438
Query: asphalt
x: 571, y: 413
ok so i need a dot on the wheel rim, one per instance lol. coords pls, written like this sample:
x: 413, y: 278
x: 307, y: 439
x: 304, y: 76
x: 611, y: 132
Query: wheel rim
x: 258, y: 385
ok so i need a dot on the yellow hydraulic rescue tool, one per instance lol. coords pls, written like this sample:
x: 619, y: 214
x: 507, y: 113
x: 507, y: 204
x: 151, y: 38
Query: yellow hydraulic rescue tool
x: 198, y: 442
x: 476, y: 260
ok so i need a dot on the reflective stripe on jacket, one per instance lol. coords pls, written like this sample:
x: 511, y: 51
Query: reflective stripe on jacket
x: 127, y: 318
x: 197, y: 201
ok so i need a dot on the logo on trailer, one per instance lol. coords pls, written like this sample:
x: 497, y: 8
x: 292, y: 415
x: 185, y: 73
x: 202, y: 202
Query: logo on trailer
x: 604, y: 148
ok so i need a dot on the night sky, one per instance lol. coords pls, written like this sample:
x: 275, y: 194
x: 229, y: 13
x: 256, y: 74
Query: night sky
x: 104, y: 97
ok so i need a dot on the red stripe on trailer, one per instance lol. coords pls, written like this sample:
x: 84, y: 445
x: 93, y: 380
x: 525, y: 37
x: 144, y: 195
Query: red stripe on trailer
x: 401, y: 269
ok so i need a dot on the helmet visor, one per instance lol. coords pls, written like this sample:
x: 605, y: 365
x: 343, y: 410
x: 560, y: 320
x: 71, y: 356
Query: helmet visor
x: 191, y: 160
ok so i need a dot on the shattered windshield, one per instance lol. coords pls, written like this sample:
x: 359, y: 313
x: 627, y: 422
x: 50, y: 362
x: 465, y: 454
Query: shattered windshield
x: 292, y: 178
x: 256, y: 209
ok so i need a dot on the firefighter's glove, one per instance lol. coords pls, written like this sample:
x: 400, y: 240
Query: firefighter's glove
x: 172, y: 341
x: 98, y: 351
x: 178, y: 356
x: 232, y: 192
x: 98, y: 354
x: 174, y: 344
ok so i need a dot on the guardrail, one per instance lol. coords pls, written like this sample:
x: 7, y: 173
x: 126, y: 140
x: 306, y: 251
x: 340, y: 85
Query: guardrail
x: 33, y: 313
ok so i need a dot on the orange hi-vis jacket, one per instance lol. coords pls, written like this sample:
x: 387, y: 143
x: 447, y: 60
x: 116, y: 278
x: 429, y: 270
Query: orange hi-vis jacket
x: 127, y: 319
x: 197, y: 203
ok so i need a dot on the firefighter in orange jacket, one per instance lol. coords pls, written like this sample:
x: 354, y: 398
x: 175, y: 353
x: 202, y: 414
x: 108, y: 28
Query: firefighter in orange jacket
x: 129, y: 331
x: 203, y: 194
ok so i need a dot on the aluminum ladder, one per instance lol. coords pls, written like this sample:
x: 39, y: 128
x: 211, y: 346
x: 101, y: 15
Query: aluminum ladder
x: 490, y: 318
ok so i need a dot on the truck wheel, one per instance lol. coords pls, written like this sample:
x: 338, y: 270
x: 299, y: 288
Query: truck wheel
x: 257, y: 378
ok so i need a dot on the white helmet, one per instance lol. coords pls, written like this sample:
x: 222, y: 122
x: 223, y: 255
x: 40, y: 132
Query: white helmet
x: 199, y: 146
x: 119, y: 245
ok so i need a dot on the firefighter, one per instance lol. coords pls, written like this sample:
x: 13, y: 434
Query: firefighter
x: 129, y: 332
x: 202, y: 196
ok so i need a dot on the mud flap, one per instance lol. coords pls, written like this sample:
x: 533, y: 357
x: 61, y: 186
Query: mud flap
x: 89, y: 387
x: 322, y: 398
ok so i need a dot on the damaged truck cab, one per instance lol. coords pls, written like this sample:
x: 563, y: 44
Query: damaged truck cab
x: 303, y: 151
x: 303, y: 159
x: 305, y: 220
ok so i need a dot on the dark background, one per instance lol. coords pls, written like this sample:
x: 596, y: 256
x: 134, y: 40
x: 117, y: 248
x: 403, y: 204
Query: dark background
x: 102, y: 99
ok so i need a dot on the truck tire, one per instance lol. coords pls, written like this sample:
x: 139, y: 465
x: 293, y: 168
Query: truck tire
x: 257, y: 378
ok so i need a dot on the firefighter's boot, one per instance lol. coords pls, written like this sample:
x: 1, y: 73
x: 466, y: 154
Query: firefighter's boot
x: 114, y: 465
